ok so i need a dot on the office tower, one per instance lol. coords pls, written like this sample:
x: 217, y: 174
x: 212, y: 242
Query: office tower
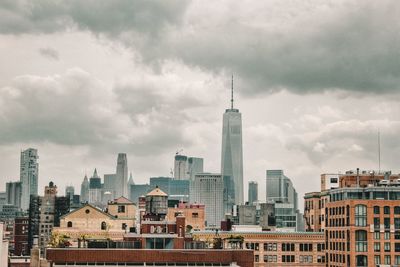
x: 121, y: 179
x: 95, y: 189
x: 194, y: 166
x: 253, y: 192
x: 29, y: 173
x: 44, y: 214
x: 109, y: 184
x: 130, y: 184
x: 69, y: 192
x: 208, y: 189
x: 232, y: 157
x: 85, y: 190
x: 138, y: 190
x: 280, y: 190
x: 14, y: 193
x: 180, y: 167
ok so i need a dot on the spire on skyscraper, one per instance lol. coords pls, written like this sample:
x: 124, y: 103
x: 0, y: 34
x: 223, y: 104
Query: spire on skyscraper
x: 232, y: 94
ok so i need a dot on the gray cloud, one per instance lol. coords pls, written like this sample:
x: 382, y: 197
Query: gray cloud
x: 49, y: 52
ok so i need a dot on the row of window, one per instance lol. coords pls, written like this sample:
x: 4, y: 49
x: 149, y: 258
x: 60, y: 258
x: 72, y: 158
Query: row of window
x: 289, y: 258
x: 285, y: 246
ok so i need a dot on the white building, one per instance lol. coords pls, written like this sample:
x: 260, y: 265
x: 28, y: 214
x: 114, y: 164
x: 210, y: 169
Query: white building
x: 232, y: 157
x: 29, y: 173
x: 208, y: 189
x: 329, y: 181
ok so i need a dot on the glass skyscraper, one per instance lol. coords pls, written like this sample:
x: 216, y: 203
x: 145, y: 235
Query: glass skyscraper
x: 29, y: 173
x: 121, y: 177
x: 232, y: 157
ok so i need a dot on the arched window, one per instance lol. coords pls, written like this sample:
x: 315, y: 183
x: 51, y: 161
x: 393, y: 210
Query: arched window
x: 103, y: 226
x: 361, y: 215
x: 386, y: 210
x: 69, y: 224
x: 361, y: 241
x: 377, y: 209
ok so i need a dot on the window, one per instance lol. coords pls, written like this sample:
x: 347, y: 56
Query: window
x: 256, y: 258
x: 306, y: 247
x: 397, y: 210
x: 123, y: 226
x: 270, y: 258
x: 386, y: 222
x: 396, y: 247
x: 121, y: 209
x: 377, y: 247
x: 361, y: 241
x: 377, y: 224
x: 386, y: 210
x: 377, y: 259
x: 387, y: 259
x: 377, y: 235
x: 287, y: 247
x: 387, y: 235
x: 69, y: 224
x: 270, y: 246
x: 387, y: 246
x: 305, y: 259
x: 361, y: 260
x: 361, y: 215
x: 397, y: 259
x: 103, y: 226
x: 195, y: 215
x: 376, y: 209
x: 397, y: 223
x: 287, y: 258
x: 253, y: 246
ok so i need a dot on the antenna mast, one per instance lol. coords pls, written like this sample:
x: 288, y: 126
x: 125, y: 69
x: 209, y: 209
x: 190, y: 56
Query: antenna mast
x: 379, y: 151
x: 232, y: 94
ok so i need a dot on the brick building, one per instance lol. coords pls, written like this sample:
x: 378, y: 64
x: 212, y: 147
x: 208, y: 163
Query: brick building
x: 21, y: 226
x: 272, y: 248
x: 194, y: 214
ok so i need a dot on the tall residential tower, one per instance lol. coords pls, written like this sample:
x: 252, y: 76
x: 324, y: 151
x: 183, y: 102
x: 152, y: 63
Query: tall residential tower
x: 232, y: 157
x: 29, y: 173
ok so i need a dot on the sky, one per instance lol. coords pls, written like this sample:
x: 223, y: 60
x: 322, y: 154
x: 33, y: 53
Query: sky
x: 315, y: 82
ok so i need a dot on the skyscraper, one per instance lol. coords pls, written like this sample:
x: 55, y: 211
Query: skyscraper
x: 195, y: 166
x: 121, y: 178
x: 13, y: 193
x: 180, y: 167
x: 253, y: 192
x: 280, y: 190
x: 109, y: 184
x: 232, y: 157
x: 29, y: 173
x: 208, y: 189
x: 85, y: 190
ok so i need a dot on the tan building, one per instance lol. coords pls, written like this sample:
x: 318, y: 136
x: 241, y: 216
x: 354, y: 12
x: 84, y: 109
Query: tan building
x: 314, y: 211
x: 273, y: 248
x: 194, y: 214
x: 91, y: 222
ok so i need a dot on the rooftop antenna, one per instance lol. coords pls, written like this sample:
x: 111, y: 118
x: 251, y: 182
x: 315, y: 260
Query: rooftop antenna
x: 379, y: 151
x: 232, y: 94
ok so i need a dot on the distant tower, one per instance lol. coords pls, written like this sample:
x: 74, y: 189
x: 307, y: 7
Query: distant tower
x: 253, y: 192
x: 130, y: 184
x: 121, y: 179
x: 232, y: 157
x: 29, y: 173
x: 180, y: 167
x: 195, y: 166
x: 85, y: 190
x: 70, y: 192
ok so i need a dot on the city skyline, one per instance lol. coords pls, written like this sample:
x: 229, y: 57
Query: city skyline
x: 83, y: 89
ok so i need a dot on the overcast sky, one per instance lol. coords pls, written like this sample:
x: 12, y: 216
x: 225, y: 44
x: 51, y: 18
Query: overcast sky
x: 83, y: 80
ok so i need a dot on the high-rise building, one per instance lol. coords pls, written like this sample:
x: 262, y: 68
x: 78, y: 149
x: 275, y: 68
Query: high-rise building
x: 208, y: 189
x: 194, y: 166
x: 232, y: 157
x: 29, y: 174
x: 253, y: 192
x: 121, y: 179
x: 95, y: 189
x: 14, y: 193
x: 280, y: 190
x: 180, y: 167
x: 44, y: 214
x: 130, y: 184
x: 69, y: 192
x: 109, y: 184
x: 85, y: 190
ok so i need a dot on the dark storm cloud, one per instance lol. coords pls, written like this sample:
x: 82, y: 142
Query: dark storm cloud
x: 49, y: 53
x: 304, y: 47
x: 99, y: 16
